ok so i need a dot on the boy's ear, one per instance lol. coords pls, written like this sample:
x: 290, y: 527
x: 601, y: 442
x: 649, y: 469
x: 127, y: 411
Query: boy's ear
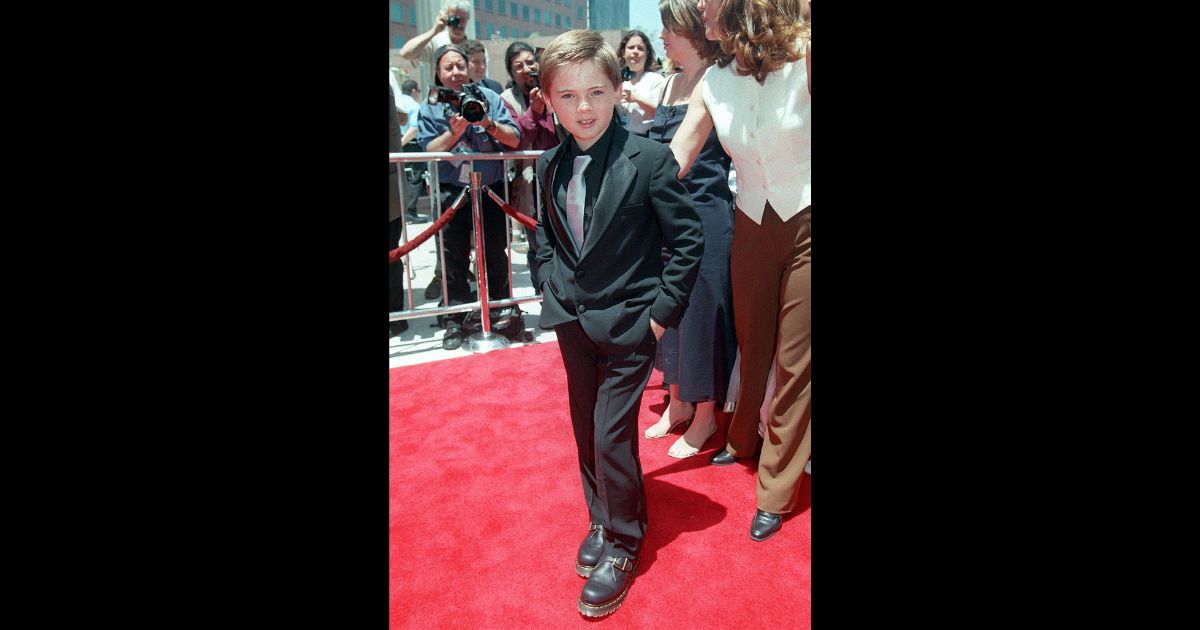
x: 546, y: 100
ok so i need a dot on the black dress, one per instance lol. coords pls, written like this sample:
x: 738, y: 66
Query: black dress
x: 698, y: 354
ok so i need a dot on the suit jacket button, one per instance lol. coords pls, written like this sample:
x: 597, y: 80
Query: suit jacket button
x: 579, y: 273
x: 582, y: 308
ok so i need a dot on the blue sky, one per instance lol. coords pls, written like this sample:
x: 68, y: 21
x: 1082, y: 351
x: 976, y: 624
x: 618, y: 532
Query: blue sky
x: 645, y: 13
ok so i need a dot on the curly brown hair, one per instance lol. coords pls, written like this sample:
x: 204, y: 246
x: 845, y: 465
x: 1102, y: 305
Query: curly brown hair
x: 762, y: 35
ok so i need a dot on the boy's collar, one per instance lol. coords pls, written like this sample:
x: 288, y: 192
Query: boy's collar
x: 600, y: 148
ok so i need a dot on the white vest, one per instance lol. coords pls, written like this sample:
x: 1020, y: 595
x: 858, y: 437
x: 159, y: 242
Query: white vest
x: 767, y: 130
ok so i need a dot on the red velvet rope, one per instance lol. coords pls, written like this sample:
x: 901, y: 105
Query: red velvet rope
x: 400, y: 252
x: 528, y: 222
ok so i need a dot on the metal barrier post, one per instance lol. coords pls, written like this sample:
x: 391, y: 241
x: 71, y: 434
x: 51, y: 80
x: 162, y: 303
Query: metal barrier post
x: 485, y: 339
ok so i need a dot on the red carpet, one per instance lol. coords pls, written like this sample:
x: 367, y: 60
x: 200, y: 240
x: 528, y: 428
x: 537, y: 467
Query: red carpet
x: 487, y: 511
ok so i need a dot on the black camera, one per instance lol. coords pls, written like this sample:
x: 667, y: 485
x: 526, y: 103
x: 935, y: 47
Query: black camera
x: 454, y: 21
x: 627, y: 74
x: 470, y: 102
x: 533, y: 80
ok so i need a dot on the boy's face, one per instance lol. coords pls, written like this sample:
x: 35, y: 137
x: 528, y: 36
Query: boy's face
x: 583, y: 96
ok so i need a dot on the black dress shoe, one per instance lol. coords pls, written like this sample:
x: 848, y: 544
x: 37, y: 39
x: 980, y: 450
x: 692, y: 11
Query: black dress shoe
x: 395, y: 328
x: 607, y: 586
x: 765, y: 525
x: 590, y: 550
x: 722, y: 458
x: 453, y: 339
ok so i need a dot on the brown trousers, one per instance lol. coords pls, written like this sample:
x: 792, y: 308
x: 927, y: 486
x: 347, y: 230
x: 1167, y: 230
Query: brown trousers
x: 772, y: 305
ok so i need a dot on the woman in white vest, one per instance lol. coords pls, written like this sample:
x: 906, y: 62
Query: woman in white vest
x: 758, y: 98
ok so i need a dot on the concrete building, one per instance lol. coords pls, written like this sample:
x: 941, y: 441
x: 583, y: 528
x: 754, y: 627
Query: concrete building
x: 610, y: 14
x: 494, y: 19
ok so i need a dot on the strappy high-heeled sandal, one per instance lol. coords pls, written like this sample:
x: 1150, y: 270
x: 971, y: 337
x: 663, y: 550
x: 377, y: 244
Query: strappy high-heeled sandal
x: 669, y: 429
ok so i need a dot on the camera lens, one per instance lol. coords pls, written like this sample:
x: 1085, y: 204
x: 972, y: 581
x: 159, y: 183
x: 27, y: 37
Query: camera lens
x: 473, y: 110
x: 454, y: 21
x: 474, y: 107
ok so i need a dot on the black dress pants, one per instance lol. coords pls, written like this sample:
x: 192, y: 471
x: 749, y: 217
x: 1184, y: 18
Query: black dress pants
x: 606, y: 393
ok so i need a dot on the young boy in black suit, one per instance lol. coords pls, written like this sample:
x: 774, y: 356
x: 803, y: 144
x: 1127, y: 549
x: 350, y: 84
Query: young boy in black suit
x: 612, y: 201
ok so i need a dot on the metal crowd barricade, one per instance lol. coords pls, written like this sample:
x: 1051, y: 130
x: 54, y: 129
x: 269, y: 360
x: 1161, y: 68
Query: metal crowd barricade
x: 485, y: 340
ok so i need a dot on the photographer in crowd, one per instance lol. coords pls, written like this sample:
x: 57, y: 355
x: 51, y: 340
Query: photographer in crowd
x: 468, y: 121
x: 450, y: 27
x: 528, y: 108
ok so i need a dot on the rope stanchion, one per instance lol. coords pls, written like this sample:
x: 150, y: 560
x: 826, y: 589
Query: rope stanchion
x: 400, y: 252
x: 527, y: 221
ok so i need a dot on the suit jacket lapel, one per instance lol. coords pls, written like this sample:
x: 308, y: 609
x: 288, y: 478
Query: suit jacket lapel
x: 556, y: 216
x: 619, y: 176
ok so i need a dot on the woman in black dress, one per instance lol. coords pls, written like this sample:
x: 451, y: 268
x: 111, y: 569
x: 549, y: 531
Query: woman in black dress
x: 696, y: 357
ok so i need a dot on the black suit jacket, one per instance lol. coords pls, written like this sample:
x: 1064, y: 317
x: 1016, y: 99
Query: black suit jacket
x: 619, y: 280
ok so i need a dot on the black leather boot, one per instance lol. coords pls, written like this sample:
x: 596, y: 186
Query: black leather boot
x: 607, y: 587
x: 590, y: 550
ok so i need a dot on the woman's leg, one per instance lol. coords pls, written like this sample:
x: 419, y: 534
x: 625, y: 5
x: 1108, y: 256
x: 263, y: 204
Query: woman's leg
x: 785, y: 451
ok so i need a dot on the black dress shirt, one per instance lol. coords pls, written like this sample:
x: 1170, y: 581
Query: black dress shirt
x: 593, y: 175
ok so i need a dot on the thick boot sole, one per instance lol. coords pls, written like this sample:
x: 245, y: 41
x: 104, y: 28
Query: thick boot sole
x: 587, y: 610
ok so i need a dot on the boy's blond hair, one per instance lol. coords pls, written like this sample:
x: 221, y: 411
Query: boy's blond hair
x: 574, y: 47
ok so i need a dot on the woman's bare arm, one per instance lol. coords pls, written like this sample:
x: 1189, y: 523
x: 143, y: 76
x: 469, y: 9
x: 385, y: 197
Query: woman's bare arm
x: 693, y: 131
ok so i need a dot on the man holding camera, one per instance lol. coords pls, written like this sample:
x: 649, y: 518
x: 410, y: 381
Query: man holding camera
x: 450, y: 27
x: 528, y: 108
x: 471, y: 120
